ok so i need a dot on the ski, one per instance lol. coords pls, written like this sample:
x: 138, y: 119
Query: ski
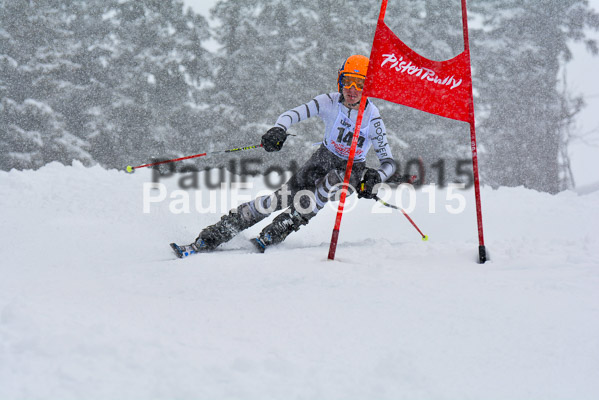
x: 183, y: 251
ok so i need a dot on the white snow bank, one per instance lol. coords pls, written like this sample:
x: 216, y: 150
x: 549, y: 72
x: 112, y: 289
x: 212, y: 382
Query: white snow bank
x: 93, y: 304
x: 587, y: 189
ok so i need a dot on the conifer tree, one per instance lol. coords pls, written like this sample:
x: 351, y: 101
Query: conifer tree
x: 519, y: 53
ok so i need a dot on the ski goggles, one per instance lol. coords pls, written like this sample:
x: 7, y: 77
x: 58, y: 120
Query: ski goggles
x: 347, y: 81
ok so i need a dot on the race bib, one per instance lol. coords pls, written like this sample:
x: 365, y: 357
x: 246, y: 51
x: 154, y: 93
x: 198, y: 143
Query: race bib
x: 338, y: 139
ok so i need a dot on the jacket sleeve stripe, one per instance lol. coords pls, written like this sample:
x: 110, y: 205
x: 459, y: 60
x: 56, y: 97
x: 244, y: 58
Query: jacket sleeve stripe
x: 307, y: 110
x: 317, y: 106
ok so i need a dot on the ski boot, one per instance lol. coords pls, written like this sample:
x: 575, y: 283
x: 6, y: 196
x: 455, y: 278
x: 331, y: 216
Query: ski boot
x: 280, y: 228
x: 225, y: 229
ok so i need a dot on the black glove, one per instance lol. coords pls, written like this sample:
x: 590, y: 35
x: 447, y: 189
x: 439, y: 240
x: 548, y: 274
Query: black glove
x: 370, y: 179
x: 273, y: 139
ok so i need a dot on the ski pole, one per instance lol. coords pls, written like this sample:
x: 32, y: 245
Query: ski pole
x: 132, y: 169
x: 424, y: 237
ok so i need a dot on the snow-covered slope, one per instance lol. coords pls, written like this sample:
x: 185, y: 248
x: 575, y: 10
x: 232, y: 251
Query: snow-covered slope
x: 93, y: 304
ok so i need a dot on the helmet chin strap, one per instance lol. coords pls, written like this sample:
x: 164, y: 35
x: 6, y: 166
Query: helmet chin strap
x: 349, y: 104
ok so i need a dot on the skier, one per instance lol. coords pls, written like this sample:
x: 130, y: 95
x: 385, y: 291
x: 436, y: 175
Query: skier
x: 307, y: 191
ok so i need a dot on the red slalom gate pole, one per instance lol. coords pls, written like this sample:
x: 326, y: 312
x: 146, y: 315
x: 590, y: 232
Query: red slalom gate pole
x: 482, y: 251
x: 131, y: 169
x: 348, y: 168
x: 352, y: 153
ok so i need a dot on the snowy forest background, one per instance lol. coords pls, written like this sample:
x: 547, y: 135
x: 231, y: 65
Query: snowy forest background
x: 118, y: 82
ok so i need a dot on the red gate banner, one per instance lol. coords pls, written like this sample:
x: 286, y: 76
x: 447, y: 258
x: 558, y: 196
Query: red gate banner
x: 398, y: 74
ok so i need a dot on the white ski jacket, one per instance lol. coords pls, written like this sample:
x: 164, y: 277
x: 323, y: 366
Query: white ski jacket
x: 339, y: 129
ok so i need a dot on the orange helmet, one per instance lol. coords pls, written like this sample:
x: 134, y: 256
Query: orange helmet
x: 355, y: 66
